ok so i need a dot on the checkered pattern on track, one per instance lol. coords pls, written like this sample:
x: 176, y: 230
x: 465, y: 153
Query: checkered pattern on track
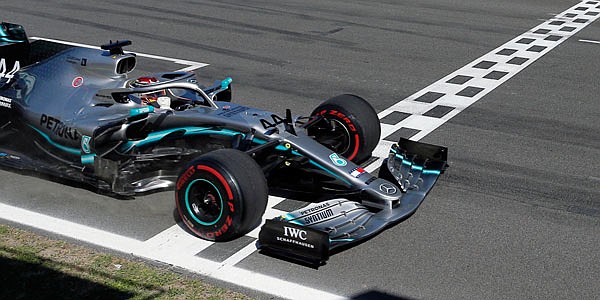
x: 421, y: 113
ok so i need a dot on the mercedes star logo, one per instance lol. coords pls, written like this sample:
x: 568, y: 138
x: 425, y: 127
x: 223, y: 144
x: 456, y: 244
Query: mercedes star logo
x: 387, y: 188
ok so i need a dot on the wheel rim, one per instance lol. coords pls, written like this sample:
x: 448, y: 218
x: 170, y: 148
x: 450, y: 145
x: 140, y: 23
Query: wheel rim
x: 333, y: 134
x: 203, y: 202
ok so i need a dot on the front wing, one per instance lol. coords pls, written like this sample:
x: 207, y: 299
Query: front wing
x: 310, y: 233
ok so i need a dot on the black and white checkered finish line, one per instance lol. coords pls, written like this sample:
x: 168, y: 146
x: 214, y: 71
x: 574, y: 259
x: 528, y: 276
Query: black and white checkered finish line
x: 424, y: 111
x: 413, y: 118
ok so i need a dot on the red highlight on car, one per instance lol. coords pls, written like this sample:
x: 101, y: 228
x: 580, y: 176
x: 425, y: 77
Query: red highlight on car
x: 77, y: 82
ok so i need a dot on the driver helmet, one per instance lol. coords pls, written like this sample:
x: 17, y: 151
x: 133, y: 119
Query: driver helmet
x: 149, y: 98
x: 144, y: 81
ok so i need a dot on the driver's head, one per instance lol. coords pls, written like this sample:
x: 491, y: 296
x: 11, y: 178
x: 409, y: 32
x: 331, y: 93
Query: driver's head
x: 144, y: 81
x: 151, y: 97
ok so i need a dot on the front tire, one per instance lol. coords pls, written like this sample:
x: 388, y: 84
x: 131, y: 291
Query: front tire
x: 221, y: 195
x: 350, y: 127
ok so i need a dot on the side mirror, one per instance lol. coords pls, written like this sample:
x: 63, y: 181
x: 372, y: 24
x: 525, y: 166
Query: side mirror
x: 223, y: 94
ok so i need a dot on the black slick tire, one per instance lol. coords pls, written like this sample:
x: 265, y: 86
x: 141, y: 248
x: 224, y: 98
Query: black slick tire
x: 350, y: 127
x: 221, y: 195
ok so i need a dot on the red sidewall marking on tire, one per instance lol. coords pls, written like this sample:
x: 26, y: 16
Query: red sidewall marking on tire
x: 185, y: 177
x: 190, y: 225
x: 220, y: 177
x: 228, y: 221
x: 351, y: 125
x: 356, y: 146
x: 185, y: 220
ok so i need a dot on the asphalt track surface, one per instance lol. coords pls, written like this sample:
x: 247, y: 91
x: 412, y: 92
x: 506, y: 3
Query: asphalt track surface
x: 517, y: 215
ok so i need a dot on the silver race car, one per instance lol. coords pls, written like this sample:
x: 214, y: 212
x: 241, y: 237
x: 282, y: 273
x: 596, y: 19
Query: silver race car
x: 74, y: 113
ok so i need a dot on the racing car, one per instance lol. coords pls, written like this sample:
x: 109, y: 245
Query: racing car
x: 74, y: 113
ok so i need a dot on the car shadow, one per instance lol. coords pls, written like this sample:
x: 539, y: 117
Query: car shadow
x: 378, y: 295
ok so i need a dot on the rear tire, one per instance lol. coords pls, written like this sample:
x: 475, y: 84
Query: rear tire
x: 350, y: 127
x: 221, y: 195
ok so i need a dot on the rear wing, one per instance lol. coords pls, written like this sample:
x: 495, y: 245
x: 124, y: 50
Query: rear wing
x: 14, y: 46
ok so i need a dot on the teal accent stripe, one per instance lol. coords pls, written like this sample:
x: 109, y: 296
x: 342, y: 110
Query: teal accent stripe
x: 281, y: 148
x: 278, y: 147
x: 435, y: 172
x: 341, y: 240
x: 69, y: 150
x: 141, y: 110
x: 187, y: 203
x: 4, y: 39
x: 226, y: 82
x: 158, y: 135
x: 296, y: 222
x: 330, y: 172
x: 417, y: 167
x: 87, y: 159
x: 259, y: 141
x: 291, y: 219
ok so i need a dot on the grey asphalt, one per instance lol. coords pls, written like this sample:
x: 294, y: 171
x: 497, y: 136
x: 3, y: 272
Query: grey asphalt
x: 517, y: 215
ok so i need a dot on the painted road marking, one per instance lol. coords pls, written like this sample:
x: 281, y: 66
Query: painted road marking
x: 429, y: 108
x: 413, y: 117
x: 187, y: 244
x: 192, y: 65
x: 590, y: 41
x: 220, y: 271
x: 421, y: 113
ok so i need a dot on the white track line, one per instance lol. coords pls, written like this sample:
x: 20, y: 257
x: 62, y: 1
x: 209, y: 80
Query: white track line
x: 163, y: 246
x: 176, y: 240
x: 224, y: 272
x: 69, y: 229
x: 240, y: 255
x: 538, y: 42
x: 193, y: 65
x: 590, y: 41
x: 487, y: 73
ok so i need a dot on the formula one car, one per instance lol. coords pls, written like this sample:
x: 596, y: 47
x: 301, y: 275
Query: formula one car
x: 75, y: 114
